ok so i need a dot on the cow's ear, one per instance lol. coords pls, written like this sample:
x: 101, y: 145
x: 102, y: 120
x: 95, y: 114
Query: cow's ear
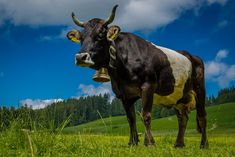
x: 113, y: 33
x: 74, y: 36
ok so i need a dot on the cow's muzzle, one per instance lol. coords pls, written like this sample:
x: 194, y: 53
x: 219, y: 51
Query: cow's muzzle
x: 84, y: 60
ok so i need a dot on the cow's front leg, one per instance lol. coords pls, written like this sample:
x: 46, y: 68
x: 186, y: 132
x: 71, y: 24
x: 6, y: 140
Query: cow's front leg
x: 131, y: 117
x: 147, y: 102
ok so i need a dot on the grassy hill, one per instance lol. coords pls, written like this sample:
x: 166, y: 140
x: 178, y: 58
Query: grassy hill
x: 221, y: 119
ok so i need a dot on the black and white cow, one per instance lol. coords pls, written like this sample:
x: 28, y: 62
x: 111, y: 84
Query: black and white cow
x: 141, y: 69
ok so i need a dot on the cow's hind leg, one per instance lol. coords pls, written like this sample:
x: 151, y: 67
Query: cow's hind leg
x: 201, y: 116
x: 182, y: 109
x: 182, y: 116
x: 201, y: 121
x: 199, y: 88
x: 131, y: 117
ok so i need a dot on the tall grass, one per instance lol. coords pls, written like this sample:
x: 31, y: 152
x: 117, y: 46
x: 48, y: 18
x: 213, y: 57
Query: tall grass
x: 15, y: 142
x: 39, y: 141
x: 26, y: 138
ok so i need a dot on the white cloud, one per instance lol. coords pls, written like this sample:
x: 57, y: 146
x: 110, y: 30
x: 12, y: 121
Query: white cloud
x: 220, y: 72
x: 38, y: 103
x: 215, y: 69
x: 89, y: 90
x: 131, y: 14
x: 231, y: 72
x: 150, y: 14
x: 221, y: 55
x: 83, y: 90
x: 61, y: 35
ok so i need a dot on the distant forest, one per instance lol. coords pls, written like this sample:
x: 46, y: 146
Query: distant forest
x: 85, y: 109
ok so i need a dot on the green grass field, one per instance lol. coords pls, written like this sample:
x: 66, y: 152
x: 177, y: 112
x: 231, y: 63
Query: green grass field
x: 221, y: 119
x: 109, y: 137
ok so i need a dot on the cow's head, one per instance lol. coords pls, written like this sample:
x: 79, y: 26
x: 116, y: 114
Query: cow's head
x: 94, y: 52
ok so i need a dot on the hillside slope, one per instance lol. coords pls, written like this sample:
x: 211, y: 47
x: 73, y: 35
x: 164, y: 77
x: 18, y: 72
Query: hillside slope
x: 221, y: 119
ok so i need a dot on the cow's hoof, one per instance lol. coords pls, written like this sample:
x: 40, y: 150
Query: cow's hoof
x: 179, y: 145
x: 149, y: 144
x: 204, y: 145
x: 149, y: 140
x: 133, y: 143
x: 130, y: 144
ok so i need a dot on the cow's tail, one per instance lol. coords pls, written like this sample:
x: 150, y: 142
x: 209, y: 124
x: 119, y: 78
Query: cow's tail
x: 199, y: 88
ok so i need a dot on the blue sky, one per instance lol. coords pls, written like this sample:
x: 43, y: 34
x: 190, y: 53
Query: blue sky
x: 37, y: 61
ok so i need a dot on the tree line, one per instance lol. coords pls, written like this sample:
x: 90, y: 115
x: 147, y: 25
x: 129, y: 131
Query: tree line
x: 224, y: 95
x: 86, y: 109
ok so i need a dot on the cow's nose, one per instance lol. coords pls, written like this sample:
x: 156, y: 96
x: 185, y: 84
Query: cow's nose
x: 84, y: 59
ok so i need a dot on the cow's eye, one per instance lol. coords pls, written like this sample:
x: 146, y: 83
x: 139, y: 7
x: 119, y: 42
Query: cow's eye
x: 100, y: 36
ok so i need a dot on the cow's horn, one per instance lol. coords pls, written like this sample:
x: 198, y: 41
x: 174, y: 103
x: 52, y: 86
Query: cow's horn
x: 76, y: 21
x: 112, y: 16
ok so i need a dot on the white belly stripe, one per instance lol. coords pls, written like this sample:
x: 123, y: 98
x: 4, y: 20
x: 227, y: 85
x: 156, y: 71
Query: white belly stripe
x: 182, y: 69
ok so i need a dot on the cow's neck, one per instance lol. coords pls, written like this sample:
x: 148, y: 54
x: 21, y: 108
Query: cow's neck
x: 123, y: 49
x: 116, y: 52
